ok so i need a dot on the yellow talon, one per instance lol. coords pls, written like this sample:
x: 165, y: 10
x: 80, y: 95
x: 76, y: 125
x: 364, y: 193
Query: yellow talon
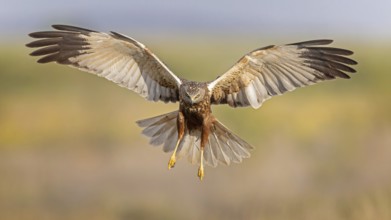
x: 172, y: 161
x: 201, y: 172
x: 201, y: 168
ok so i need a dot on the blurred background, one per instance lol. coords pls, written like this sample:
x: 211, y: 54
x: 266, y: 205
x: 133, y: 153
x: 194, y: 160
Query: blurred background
x: 69, y: 147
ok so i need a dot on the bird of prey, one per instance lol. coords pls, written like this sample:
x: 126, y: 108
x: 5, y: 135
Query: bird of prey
x: 192, y: 131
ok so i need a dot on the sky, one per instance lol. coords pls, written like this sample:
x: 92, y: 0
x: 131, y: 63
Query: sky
x: 350, y: 18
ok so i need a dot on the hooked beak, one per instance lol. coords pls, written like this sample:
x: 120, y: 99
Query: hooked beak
x: 192, y: 99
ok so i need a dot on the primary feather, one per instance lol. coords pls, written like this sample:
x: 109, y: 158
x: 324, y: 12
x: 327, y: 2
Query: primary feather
x: 113, y: 56
x: 274, y: 70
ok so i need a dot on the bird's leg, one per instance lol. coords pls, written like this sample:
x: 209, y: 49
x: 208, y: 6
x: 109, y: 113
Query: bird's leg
x: 204, y: 139
x: 181, y: 131
x: 201, y: 168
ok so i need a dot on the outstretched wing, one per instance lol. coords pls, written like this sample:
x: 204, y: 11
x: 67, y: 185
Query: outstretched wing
x: 116, y: 57
x: 274, y: 70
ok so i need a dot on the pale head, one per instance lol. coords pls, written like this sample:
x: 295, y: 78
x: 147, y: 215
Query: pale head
x: 193, y: 92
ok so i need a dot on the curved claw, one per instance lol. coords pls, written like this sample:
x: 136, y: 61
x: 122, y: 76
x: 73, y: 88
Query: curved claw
x: 171, y: 162
x: 201, y: 172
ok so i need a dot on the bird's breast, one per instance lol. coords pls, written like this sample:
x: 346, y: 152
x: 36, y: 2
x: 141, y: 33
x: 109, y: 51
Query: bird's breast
x: 196, y: 113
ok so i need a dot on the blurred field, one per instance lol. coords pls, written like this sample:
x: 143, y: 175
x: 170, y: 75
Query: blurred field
x: 69, y: 147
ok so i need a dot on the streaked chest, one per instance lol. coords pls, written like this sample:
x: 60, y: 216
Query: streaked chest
x: 195, y: 114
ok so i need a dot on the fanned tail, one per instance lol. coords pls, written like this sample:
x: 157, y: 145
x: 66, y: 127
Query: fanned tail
x: 161, y: 129
x: 223, y: 146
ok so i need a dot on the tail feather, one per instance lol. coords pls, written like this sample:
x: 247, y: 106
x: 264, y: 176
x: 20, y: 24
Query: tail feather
x: 161, y: 129
x: 170, y: 141
x: 190, y: 146
x: 228, y: 146
x: 218, y: 151
x: 223, y: 146
x: 155, y: 120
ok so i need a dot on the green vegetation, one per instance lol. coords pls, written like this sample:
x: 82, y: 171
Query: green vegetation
x: 69, y: 147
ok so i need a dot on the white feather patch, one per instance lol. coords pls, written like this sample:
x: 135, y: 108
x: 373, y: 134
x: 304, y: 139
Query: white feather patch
x: 252, y: 96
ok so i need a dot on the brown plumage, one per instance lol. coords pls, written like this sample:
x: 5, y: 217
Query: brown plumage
x: 193, y: 131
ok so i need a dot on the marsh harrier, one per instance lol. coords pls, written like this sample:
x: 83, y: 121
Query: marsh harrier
x: 193, y: 131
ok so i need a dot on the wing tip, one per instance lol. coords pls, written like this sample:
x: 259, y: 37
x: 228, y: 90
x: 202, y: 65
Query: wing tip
x: 37, y: 34
x: 71, y: 28
x: 30, y: 45
x: 313, y: 42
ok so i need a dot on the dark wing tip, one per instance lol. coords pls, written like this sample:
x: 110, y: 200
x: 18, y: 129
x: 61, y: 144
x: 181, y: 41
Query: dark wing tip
x: 333, y: 62
x: 62, y: 27
x: 31, y: 45
x: 329, y: 63
x: 348, y: 52
x: 332, y: 50
x: 58, y: 45
x: 313, y: 42
x: 37, y: 34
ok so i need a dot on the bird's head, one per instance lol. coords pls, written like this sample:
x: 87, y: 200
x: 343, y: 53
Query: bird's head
x: 193, y: 93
